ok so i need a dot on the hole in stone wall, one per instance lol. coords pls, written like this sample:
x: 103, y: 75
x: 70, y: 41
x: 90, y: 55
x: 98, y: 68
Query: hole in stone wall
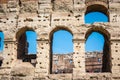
x: 56, y: 19
x: 11, y: 21
x: 6, y: 45
x: 78, y: 3
x: 1, y: 61
x: 69, y: 15
x: 61, y: 52
x: 7, y: 62
x: 116, y: 50
x: 118, y: 64
x: 39, y: 20
x: 20, y: 4
x: 42, y: 47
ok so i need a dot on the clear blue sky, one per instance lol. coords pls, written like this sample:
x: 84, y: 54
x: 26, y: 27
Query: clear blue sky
x: 95, y: 42
x: 95, y: 17
x: 31, y: 39
x: 62, y: 40
x: 1, y: 41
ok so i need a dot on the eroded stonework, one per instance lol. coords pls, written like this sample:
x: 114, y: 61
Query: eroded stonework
x: 47, y: 16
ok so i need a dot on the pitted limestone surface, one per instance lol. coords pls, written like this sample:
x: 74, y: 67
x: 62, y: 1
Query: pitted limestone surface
x: 45, y: 17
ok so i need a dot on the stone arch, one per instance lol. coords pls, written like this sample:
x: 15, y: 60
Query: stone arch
x: 106, y: 59
x: 60, y: 28
x: 22, y: 46
x: 51, y: 38
x: 97, y: 8
x: 97, y: 2
x: 99, y: 29
x: 21, y: 31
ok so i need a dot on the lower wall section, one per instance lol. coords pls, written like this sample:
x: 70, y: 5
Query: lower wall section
x: 87, y: 76
x: 26, y: 71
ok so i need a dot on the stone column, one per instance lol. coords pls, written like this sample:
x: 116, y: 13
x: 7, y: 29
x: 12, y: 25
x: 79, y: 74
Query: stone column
x: 79, y: 57
x: 8, y: 58
x: 8, y: 53
x: 43, y: 58
x: 115, y: 49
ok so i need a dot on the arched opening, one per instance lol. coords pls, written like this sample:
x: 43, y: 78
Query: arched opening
x: 97, y: 52
x: 26, y: 48
x: 61, y: 52
x: 1, y: 41
x: 96, y: 13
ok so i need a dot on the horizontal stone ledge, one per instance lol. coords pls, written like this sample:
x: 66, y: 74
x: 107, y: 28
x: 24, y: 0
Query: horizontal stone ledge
x: 114, y: 39
x: 11, y: 41
x: 44, y: 40
x: 75, y: 40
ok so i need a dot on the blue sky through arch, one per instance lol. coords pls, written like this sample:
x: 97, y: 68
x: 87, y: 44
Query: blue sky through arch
x: 1, y: 41
x: 31, y: 39
x: 95, y: 42
x: 95, y: 17
x: 62, y: 42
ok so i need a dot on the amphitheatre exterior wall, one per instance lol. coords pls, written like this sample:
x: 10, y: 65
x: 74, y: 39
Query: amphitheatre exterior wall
x: 45, y: 17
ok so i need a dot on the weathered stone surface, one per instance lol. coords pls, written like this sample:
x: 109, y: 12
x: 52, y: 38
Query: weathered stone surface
x: 22, y: 69
x: 47, y: 16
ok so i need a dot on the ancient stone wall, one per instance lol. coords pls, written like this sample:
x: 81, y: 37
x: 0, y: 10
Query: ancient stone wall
x: 47, y: 16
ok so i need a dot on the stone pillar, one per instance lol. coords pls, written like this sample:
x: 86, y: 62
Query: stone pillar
x: 43, y: 58
x: 8, y: 53
x: 115, y: 49
x: 114, y: 12
x: 79, y: 57
x: 79, y: 11
x: 8, y: 58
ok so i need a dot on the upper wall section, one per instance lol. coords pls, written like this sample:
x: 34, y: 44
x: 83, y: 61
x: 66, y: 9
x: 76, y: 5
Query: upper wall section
x: 48, y: 5
x: 99, y: 2
x: 76, y: 8
x: 63, y: 5
x: 44, y: 15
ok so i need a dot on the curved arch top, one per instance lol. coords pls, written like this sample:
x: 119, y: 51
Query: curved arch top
x: 22, y: 30
x: 59, y: 28
x: 99, y: 29
x: 98, y: 8
x: 99, y: 2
